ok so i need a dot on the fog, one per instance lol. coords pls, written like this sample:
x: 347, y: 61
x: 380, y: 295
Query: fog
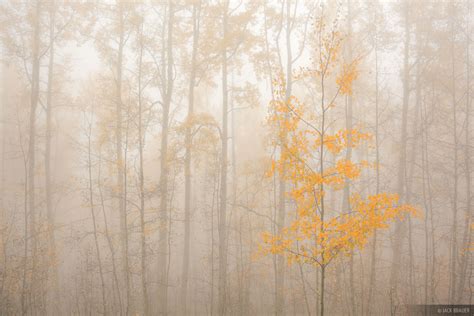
x: 199, y: 157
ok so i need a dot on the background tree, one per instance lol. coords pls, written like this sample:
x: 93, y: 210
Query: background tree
x: 171, y: 202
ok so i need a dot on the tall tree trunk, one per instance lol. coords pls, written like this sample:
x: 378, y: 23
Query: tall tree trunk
x: 411, y: 294
x: 125, y: 202
x: 222, y: 219
x: 35, y: 82
x: 233, y: 136
x: 346, y: 193
x: 408, y: 196
x: 188, y: 160
x: 280, y: 263
x: 321, y: 189
x: 3, y: 191
x: 214, y: 203
x: 373, y: 257
x: 53, y: 265
x: 400, y: 228
x: 94, y: 221
x: 24, y: 285
x: 467, y: 234
x: 119, y: 153
x: 432, y: 226
x: 164, y: 170
x: 428, y: 206
x: 275, y: 205
x: 141, y: 145
x: 108, y: 237
x: 454, y: 230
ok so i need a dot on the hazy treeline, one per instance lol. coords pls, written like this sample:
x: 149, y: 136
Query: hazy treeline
x: 137, y: 139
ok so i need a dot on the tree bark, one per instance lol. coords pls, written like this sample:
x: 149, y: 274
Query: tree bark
x: 454, y: 228
x: 222, y: 219
x: 119, y: 156
x: 94, y: 222
x: 373, y: 257
x: 164, y: 169
x: 32, y: 212
x: 346, y: 193
x: 53, y: 265
x: 108, y: 237
x: 143, y: 253
x: 400, y: 228
x: 467, y: 234
x: 188, y: 159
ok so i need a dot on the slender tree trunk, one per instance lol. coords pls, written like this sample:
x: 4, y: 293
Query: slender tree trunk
x: 188, y: 160
x: 125, y: 202
x: 467, y: 234
x: 164, y: 169
x: 409, y: 178
x: 248, y: 267
x: 24, y: 285
x: 373, y: 258
x: 215, y: 193
x: 274, y: 205
x: 107, y: 235
x: 346, y: 192
x: 430, y: 201
x: 321, y: 189
x: 222, y: 219
x: 428, y: 205
x: 400, y: 228
x: 454, y: 231
x: 408, y: 195
x: 141, y: 145
x: 321, y: 295
x: 3, y: 191
x: 119, y: 153
x: 53, y: 265
x: 94, y: 222
x: 240, y: 269
x: 280, y: 263
x: 32, y: 212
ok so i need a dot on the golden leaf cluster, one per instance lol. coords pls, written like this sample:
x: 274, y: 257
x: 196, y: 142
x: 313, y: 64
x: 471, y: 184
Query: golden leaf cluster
x: 318, y: 234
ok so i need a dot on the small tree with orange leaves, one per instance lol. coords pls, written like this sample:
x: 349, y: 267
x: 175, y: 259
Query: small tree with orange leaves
x: 318, y: 235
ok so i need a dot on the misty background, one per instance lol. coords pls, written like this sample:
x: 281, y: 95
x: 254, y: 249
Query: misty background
x: 136, y: 144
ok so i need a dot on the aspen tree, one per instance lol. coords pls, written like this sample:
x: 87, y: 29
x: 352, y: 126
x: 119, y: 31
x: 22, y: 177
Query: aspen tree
x: 316, y: 237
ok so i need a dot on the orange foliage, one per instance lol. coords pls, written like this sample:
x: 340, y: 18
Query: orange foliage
x: 319, y: 234
x: 309, y: 238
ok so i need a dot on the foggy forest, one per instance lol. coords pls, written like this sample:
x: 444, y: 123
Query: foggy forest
x: 236, y: 157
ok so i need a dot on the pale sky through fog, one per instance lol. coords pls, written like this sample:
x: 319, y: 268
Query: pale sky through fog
x: 236, y: 157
